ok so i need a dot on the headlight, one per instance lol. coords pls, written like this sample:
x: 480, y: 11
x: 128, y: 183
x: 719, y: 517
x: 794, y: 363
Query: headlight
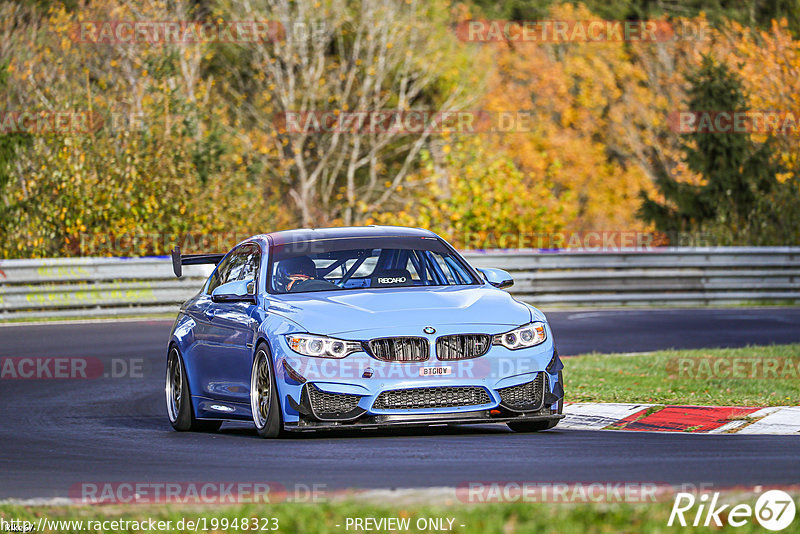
x: 321, y: 346
x: 523, y: 337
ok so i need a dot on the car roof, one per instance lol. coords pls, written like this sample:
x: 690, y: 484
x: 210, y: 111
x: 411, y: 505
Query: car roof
x: 313, y: 234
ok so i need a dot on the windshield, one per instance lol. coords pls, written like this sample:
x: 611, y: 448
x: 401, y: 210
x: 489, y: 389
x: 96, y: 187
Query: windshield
x: 342, y: 264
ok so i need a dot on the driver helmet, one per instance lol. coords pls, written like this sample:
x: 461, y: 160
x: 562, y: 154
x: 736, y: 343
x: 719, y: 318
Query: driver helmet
x: 292, y: 270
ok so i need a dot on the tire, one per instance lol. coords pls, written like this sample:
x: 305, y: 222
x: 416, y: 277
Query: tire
x: 537, y: 426
x: 179, y: 399
x: 264, y: 402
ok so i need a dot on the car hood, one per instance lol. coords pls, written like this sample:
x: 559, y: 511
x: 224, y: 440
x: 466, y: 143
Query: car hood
x: 337, y: 312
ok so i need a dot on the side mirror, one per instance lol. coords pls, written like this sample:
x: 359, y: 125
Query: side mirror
x: 497, y: 277
x: 236, y: 291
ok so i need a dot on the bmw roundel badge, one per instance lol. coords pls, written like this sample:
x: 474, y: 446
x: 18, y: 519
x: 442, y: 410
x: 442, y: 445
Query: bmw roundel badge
x: 429, y: 330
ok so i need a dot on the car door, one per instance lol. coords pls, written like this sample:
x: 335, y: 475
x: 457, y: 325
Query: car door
x: 198, y: 310
x: 198, y: 362
x: 231, y: 332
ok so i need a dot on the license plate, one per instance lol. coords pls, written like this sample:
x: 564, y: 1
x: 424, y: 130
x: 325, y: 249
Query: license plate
x: 435, y: 371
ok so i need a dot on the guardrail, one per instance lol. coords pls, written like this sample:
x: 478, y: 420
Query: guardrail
x: 660, y: 276
x: 663, y: 276
x: 66, y: 287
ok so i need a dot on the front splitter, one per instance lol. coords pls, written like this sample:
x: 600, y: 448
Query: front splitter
x: 392, y: 421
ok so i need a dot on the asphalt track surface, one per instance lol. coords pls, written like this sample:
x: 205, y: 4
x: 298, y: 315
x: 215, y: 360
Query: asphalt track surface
x: 55, y: 434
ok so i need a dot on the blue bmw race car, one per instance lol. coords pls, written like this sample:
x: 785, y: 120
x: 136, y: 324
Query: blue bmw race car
x: 361, y: 327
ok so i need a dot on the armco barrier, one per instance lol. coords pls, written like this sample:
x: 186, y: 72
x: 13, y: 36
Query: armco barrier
x: 664, y: 276
x: 94, y: 286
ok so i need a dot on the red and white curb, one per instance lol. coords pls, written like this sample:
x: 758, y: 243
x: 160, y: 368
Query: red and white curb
x: 692, y: 419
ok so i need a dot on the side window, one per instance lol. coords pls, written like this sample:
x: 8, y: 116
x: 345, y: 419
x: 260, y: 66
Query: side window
x: 458, y: 271
x: 237, y: 265
x: 220, y: 275
x: 247, y: 265
x: 241, y: 264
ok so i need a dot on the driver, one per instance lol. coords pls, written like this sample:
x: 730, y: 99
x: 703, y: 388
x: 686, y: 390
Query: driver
x: 293, y: 270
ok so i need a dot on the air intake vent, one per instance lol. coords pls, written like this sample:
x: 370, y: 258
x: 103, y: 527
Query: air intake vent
x: 399, y: 349
x: 462, y: 346
x: 331, y: 405
x: 525, y: 397
x: 439, y: 397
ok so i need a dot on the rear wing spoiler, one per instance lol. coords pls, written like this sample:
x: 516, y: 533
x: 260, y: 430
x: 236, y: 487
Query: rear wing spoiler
x: 179, y: 260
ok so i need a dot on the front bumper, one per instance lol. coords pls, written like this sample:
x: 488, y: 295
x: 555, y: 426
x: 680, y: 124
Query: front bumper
x: 359, y: 391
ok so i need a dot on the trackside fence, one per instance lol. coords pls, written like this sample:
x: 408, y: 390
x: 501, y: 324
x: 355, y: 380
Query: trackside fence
x: 657, y: 277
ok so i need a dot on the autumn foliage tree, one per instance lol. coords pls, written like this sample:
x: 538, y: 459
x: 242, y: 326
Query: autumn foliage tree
x: 739, y: 175
x: 345, y: 57
x: 190, y: 136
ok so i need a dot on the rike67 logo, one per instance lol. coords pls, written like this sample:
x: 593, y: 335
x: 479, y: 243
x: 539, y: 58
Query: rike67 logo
x: 774, y: 510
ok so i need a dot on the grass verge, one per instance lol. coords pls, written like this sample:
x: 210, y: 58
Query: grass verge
x: 506, y: 518
x: 751, y: 376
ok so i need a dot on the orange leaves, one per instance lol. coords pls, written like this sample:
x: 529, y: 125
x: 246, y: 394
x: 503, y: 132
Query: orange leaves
x: 189, y: 141
x: 582, y: 96
x: 600, y: 108
x: 768, y: 62
x: 472, y: 192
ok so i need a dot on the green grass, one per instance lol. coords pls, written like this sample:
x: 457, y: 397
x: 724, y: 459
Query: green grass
x: 655, y: 378
x: 507, y: 518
